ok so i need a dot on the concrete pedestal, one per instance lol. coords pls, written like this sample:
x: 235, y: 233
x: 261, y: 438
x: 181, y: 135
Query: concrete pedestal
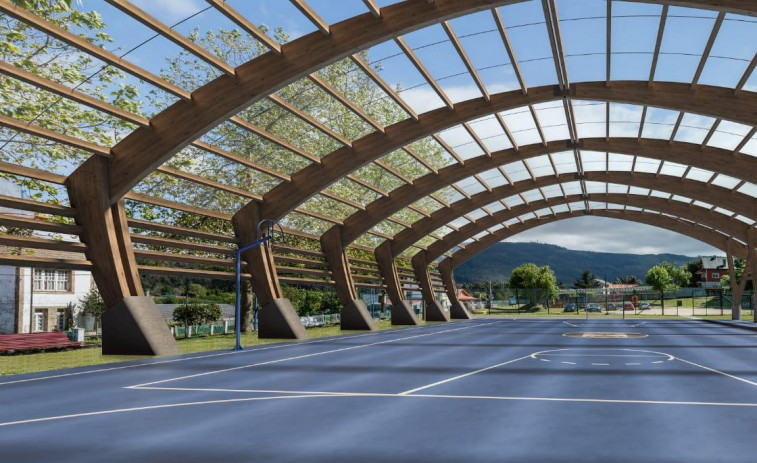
x: 458, y: 312
x: 135, y: 326
x: 355, y: 316
x: 402, y: 314
x: 279, y: 320
x: 435, y: 312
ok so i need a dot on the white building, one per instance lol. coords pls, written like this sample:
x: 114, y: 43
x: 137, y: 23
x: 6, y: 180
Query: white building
x: 33, y: 300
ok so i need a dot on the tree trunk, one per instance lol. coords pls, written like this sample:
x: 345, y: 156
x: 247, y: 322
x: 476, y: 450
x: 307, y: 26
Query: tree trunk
x: 246, y: 307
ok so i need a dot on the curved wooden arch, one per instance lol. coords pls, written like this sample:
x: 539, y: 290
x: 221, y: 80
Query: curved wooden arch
x: 706, y: 236
x: 699, y: 215
x: 175, y: 127
x: 712, y: 101
x: 714, y: 159
x: 736, y: 202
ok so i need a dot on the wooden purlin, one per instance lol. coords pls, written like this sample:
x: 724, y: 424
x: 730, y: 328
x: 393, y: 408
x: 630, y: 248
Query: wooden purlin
x: 312, y: 16
x: 238, y: 19
x: 32, y: 173
x: 685, y: 187
x: 82, y: 44
x: 384, y: 86
x: 39, y: 225
x: 164, y: 30
x: 708, y: 48
x: 37, y: 131
x: 717, y: 102
x: 466, y: 61
x: 340, y: 97
x: 31, y: 205
x: 510, y: 53
x: 66, y: 92
x: 423, y: 71
x: 658, y: 43
x: 713, y: 159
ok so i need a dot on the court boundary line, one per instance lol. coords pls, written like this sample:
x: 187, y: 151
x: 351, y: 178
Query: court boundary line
x: 297, y: 357
x: 249, y: 349
x: 378, y: 395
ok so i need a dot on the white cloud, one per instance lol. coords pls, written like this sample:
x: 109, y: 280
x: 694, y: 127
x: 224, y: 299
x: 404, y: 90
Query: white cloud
x: 604, y: 234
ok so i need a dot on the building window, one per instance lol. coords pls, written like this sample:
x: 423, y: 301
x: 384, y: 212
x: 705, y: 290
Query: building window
x: 52, y: 280
x: 39, y: 320
x: 715, y: 275
x: 60, y: 324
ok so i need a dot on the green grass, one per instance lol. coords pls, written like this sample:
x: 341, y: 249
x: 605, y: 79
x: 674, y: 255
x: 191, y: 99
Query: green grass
x: 44, y: 361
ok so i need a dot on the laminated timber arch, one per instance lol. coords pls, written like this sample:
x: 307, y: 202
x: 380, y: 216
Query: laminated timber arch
x: 717, y: 160
x: 738, y: 202
x: 97, y: 188
x: 696, y: 215
x: 448, y: 264
x: 700, y: 224
x: 716, y: 102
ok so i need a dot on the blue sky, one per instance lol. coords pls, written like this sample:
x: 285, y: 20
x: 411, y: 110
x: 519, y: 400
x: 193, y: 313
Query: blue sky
x: 583, y: 27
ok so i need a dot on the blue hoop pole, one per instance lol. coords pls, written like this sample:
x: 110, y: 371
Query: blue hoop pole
x: 238, y: 308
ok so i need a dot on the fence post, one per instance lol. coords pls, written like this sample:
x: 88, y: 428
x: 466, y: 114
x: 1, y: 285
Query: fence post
x: 226, y: 327
x: 211, y: 328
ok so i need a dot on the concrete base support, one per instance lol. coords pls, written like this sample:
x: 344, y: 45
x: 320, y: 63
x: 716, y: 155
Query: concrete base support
x: 355, y: 316
x: 435, y: 312
x: 279, y: 320
x: 403, y: 314
x: 457, y: 311
x: 135, y: 326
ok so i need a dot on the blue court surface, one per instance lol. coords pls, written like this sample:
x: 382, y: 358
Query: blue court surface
x: 483, y: 390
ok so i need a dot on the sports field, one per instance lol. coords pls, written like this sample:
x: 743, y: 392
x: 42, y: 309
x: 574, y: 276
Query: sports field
x: 479, y: 390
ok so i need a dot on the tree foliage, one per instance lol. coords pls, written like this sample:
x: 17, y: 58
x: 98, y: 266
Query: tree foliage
x: 586, y: 280
x: 540, y: 281
x: 92, y: 304
x: 197, y: 314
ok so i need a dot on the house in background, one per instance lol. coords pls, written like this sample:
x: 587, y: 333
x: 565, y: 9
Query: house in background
x: 711, y: 270
x: 32, y: 299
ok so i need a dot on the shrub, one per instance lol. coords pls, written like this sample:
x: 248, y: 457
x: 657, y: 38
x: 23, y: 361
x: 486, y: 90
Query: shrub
x: 197, y: 314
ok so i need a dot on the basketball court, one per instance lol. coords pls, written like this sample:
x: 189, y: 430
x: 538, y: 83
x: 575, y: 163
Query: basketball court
x: 480, y: 390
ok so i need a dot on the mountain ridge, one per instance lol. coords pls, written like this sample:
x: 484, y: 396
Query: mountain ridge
x: 498, y: 261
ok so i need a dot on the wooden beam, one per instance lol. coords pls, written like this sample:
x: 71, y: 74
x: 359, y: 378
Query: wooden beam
x: 384, y: 86
x: 713, y: 101
x: 32, y: 173
x: 656, y: 53
x: 685, y: 187
x: 717, y: 160
x: 509, y: 49
x: 167, y: 32
x: 696, y: 214
x: 23, y: 15
x: 708, y: 48
x: 56, y: 137
x: 238, y: 19
x: 31, y: 205
x: 312, y: 16
x: 466, y: 61
x: 75, y: 95
x: 423, y: 71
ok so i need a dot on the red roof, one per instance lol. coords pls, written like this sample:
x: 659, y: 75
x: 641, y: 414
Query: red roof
x: 462, y: 295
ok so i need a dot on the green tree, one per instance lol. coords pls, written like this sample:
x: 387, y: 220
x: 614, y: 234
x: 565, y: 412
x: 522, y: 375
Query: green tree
x: 92, y: 304
x: 660, y: 280
x: 586, y: 280
x: 197, y: 291
x: 197, y: 314
x: 680, y: 275
x: 539, y: 282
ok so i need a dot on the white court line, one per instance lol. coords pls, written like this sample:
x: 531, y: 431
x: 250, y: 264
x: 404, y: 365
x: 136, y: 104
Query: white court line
x: 465, y: 375
x: 297, y: 357
x: 633, y: 363
x: 247, y: 350
x: 737, y: 378
x: 602, y: 364
x: 571, y: 324
x: 597, y: 355
x: 379, y: 395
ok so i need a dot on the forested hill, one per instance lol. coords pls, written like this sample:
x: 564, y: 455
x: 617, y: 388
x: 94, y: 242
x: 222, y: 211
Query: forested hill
x: 498, y: 261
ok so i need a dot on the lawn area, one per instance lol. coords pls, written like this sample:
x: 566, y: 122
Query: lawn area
x: 29, y: 363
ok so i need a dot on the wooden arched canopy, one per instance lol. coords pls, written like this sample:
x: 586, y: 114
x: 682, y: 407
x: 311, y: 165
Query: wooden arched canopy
x: 118, y: 247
